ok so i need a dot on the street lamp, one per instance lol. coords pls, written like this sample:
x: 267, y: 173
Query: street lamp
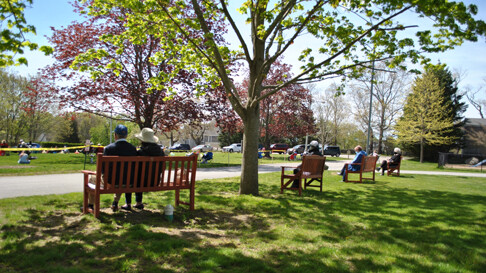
x: 371, y: 105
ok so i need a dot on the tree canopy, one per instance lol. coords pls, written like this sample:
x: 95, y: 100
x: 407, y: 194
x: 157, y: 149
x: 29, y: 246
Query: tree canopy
x: 121, y: 70
x: 426, y: 119
x: 349, y: 33
x: 14, y: 27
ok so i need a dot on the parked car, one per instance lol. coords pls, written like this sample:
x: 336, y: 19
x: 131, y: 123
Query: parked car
x: 332, y: 151
x: 279, y: 148
x: 180, y: 147
x: 297, y: 148
x: 235, y: 147
x: 202, y: 148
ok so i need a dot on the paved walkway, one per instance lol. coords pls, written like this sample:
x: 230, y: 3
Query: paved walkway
x: 14, y: 186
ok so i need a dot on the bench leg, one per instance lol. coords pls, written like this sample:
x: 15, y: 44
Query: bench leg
x: 177, y: 196
x: 97, y: 205
x: 85, y: 201
x: 191, y: 199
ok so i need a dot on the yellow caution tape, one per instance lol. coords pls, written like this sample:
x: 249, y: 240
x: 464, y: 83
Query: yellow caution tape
x: 48, y: 149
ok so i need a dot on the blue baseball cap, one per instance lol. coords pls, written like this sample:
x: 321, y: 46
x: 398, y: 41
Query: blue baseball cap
x: 121, y: 130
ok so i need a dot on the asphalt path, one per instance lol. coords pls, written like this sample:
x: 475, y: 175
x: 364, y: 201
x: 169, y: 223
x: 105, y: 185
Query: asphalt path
x: 15, y: 186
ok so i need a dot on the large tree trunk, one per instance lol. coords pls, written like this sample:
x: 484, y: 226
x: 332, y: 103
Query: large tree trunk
x: 249, y: 165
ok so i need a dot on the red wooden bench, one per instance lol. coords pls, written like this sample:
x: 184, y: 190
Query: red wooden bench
x: 312, y: 168
x: 391, y: 169
x: 124, y: 174
x: 368, y: 164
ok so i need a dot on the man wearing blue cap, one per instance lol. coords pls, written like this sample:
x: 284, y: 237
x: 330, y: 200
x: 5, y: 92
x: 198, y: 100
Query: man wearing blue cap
x: 120, y: 147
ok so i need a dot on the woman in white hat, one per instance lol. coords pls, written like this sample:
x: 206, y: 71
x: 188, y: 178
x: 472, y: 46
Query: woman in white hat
x: 149, y: 148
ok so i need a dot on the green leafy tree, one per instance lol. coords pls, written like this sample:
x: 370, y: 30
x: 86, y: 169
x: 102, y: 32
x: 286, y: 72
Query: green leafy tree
x: 425, y: 119
x: 14, y: 27
x: 13, y: 124
x: 348, y: 33
x: 453, y: 98
x: 227, y: 138
x: 100, y: 134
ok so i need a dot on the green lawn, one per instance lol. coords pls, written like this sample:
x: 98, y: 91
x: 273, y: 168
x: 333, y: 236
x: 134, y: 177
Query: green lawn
x: 413, y: 223
x: 69, y: 163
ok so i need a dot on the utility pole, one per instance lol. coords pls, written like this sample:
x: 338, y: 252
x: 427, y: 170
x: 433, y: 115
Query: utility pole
x: 371, y: 106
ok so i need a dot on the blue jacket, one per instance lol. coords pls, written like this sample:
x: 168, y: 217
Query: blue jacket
x: 357, y: 159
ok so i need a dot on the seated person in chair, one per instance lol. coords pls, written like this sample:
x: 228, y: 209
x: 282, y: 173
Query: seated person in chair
x: 357, y: 159
x: 392, y: 162
x: 206, y: 157
x: 313, y: 150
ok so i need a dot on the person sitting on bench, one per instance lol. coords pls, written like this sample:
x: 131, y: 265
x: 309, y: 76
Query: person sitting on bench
x: 358, y: 158
x: 392, y: 162
x: 313, y: 150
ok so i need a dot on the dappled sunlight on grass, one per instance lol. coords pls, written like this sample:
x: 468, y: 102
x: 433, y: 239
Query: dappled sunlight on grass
x: 413, y: 223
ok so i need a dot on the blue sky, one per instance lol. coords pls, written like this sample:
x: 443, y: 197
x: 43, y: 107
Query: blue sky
x: 469, y: 58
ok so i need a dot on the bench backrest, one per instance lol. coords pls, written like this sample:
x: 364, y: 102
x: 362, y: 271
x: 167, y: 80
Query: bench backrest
x: 145, y: 173
x: 313, y: 166
x: 369, y: 163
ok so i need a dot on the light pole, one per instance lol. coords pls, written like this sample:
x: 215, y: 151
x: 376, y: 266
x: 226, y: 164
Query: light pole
x: 371, y: 104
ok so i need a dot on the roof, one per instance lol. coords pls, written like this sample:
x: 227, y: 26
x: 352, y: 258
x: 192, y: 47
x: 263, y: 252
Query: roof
x: 475, y: 122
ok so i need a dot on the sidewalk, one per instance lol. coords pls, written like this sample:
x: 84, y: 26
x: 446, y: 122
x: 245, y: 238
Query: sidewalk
x: 14, y: 186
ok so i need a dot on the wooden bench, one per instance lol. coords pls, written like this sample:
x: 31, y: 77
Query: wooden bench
x: 368, y: 164
x: 312, y: 168
x: 128, y: 174
x: 391, y: 169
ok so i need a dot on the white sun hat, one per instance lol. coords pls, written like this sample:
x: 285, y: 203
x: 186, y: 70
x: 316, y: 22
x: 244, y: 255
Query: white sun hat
x: 147, y: 135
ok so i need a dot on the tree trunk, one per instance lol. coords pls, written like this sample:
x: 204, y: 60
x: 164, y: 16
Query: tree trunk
x: 422, y: 150
x: 249, y: 165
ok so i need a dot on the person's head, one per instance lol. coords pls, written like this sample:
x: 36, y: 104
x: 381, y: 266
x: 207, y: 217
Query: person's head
x: 147, y: 135
x: 358, y: 148
x: 397, y: 150
x: 121, y: 131
x: 314, y: 145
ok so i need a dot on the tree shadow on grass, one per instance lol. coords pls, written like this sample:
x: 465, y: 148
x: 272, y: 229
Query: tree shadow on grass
x: 350, y: 229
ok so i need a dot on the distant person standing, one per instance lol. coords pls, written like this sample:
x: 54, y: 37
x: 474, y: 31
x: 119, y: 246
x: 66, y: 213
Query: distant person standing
x: 3, y: 145
x: 22, y: 144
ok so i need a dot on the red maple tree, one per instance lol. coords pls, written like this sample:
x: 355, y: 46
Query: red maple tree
x: 286, y: 115
x: 123, y: 90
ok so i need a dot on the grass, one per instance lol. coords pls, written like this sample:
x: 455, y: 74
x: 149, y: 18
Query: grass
x: 70, y: 163
x: 413, y: 223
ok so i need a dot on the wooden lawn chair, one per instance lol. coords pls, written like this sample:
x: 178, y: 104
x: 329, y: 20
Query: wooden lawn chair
x: 391, y: 169
x: 367, y: 165
x: 312, y: 168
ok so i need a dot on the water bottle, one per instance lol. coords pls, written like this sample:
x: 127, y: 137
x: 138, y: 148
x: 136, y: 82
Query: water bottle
x: 169, y: 212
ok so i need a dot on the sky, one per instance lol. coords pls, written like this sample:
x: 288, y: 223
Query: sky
x: 470, y: 58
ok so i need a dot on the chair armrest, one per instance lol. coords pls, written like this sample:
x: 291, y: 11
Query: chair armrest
x: 86, y: 176
x: 285, y: 167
